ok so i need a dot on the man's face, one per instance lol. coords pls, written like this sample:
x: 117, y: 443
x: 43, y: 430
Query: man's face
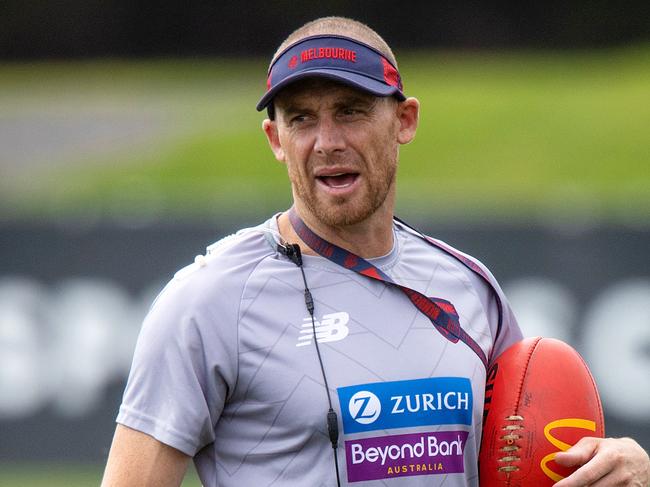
x: 340, y: 146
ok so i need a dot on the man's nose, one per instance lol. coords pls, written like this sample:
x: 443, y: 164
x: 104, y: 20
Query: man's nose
x: 329, y: 137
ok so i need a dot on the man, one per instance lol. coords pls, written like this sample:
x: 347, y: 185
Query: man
x: 330, y: 319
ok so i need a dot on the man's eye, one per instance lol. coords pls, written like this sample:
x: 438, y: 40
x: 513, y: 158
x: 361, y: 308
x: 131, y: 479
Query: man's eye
x: 351, y: 112
x: 299, y: 118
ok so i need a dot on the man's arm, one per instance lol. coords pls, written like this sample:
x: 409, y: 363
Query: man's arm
x: 137, y: 459
x: 606, y: 462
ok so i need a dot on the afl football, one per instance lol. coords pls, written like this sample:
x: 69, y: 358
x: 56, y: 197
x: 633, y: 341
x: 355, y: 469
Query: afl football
x: 540, y: 399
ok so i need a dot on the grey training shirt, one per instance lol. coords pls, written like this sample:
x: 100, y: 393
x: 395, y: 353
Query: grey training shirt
x: 226, y: 370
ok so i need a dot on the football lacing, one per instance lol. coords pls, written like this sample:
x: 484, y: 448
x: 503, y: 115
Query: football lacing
x: 510, y: 448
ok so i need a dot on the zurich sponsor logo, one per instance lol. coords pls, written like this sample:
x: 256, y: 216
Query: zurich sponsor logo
x: 364, y: 407
x: 402, y: 404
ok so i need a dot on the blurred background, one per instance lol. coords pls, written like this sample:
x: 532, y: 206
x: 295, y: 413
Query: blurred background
x: 129, y: 141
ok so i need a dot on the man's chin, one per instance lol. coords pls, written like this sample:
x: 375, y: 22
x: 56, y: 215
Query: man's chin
x: 342, y: 214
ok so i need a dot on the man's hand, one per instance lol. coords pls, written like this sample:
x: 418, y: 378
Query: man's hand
x: 606, y: 462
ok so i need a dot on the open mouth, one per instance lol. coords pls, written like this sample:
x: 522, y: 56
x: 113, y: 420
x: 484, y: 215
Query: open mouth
x: 339, y: 180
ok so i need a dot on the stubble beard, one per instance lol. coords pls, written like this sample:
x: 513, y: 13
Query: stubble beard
x: 345, y: 211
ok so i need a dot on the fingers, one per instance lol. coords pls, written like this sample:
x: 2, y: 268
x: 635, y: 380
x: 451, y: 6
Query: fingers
x: 608, y: 480
x: 591, y: 474
x: 578, y: 454
x: 607, y: 462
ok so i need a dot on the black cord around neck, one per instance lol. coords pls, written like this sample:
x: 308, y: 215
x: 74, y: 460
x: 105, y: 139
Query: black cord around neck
x: 292, y: 251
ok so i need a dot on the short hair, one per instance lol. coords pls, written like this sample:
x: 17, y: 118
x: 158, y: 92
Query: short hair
x: 339, y: 26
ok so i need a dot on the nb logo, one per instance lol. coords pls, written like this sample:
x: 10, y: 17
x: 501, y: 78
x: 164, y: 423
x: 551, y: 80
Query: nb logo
x: 364, y: 407
x: 331, y: 328
x: 562, y: 446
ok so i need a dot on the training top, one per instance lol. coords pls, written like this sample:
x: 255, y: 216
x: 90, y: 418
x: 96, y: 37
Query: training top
x: 226, y: 370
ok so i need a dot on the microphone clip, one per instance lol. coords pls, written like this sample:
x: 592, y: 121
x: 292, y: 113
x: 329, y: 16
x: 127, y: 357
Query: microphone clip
x: 292, y: 251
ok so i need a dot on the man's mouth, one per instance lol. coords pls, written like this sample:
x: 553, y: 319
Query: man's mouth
x: 339, y: 180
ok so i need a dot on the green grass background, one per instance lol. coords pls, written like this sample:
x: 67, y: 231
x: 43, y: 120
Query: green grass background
x: 64, y: 475
x: 503, y: 135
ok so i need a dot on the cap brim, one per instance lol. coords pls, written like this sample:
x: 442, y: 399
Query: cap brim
x: 361, y: 82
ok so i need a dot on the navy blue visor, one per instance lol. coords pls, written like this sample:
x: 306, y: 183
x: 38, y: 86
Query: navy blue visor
x: 335, y: 57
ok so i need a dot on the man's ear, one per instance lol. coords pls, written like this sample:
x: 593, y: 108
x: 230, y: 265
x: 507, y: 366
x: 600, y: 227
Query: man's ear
x: 408, y: 114
x: 270, y: 128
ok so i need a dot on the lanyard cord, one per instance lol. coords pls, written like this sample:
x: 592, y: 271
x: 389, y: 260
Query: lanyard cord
x: 467, y: 262
x: 442, y: 313
x: 292, y: 251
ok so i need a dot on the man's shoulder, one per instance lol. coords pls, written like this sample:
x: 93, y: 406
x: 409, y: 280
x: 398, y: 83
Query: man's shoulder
x: 426, y: 251
x: 225, y: 266
x: 429, y: 246
x: 238, y: 250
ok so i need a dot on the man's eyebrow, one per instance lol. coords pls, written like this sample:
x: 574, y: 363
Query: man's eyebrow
x: 366, y: 101
x: 294, y: 108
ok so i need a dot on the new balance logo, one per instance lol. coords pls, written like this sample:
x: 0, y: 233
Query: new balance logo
x: 331, y: 328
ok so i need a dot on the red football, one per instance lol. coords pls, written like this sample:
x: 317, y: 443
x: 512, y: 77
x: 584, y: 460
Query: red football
x: 540, y: 399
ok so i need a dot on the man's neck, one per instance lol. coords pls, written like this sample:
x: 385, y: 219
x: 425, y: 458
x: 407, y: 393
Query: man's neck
x: 371, y: 238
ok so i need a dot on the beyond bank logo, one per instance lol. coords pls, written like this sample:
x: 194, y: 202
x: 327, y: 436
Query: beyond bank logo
x: 401, y: 404
x: 405, y: 455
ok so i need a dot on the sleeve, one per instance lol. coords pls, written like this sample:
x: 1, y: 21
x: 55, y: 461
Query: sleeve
x: 503, y: 323
x: 509, y: 331
x: 184, y: 365
x: 504, y: 328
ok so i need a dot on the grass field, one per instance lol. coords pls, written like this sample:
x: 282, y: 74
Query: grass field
x: 58, y: 475
x: 505, y: 135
